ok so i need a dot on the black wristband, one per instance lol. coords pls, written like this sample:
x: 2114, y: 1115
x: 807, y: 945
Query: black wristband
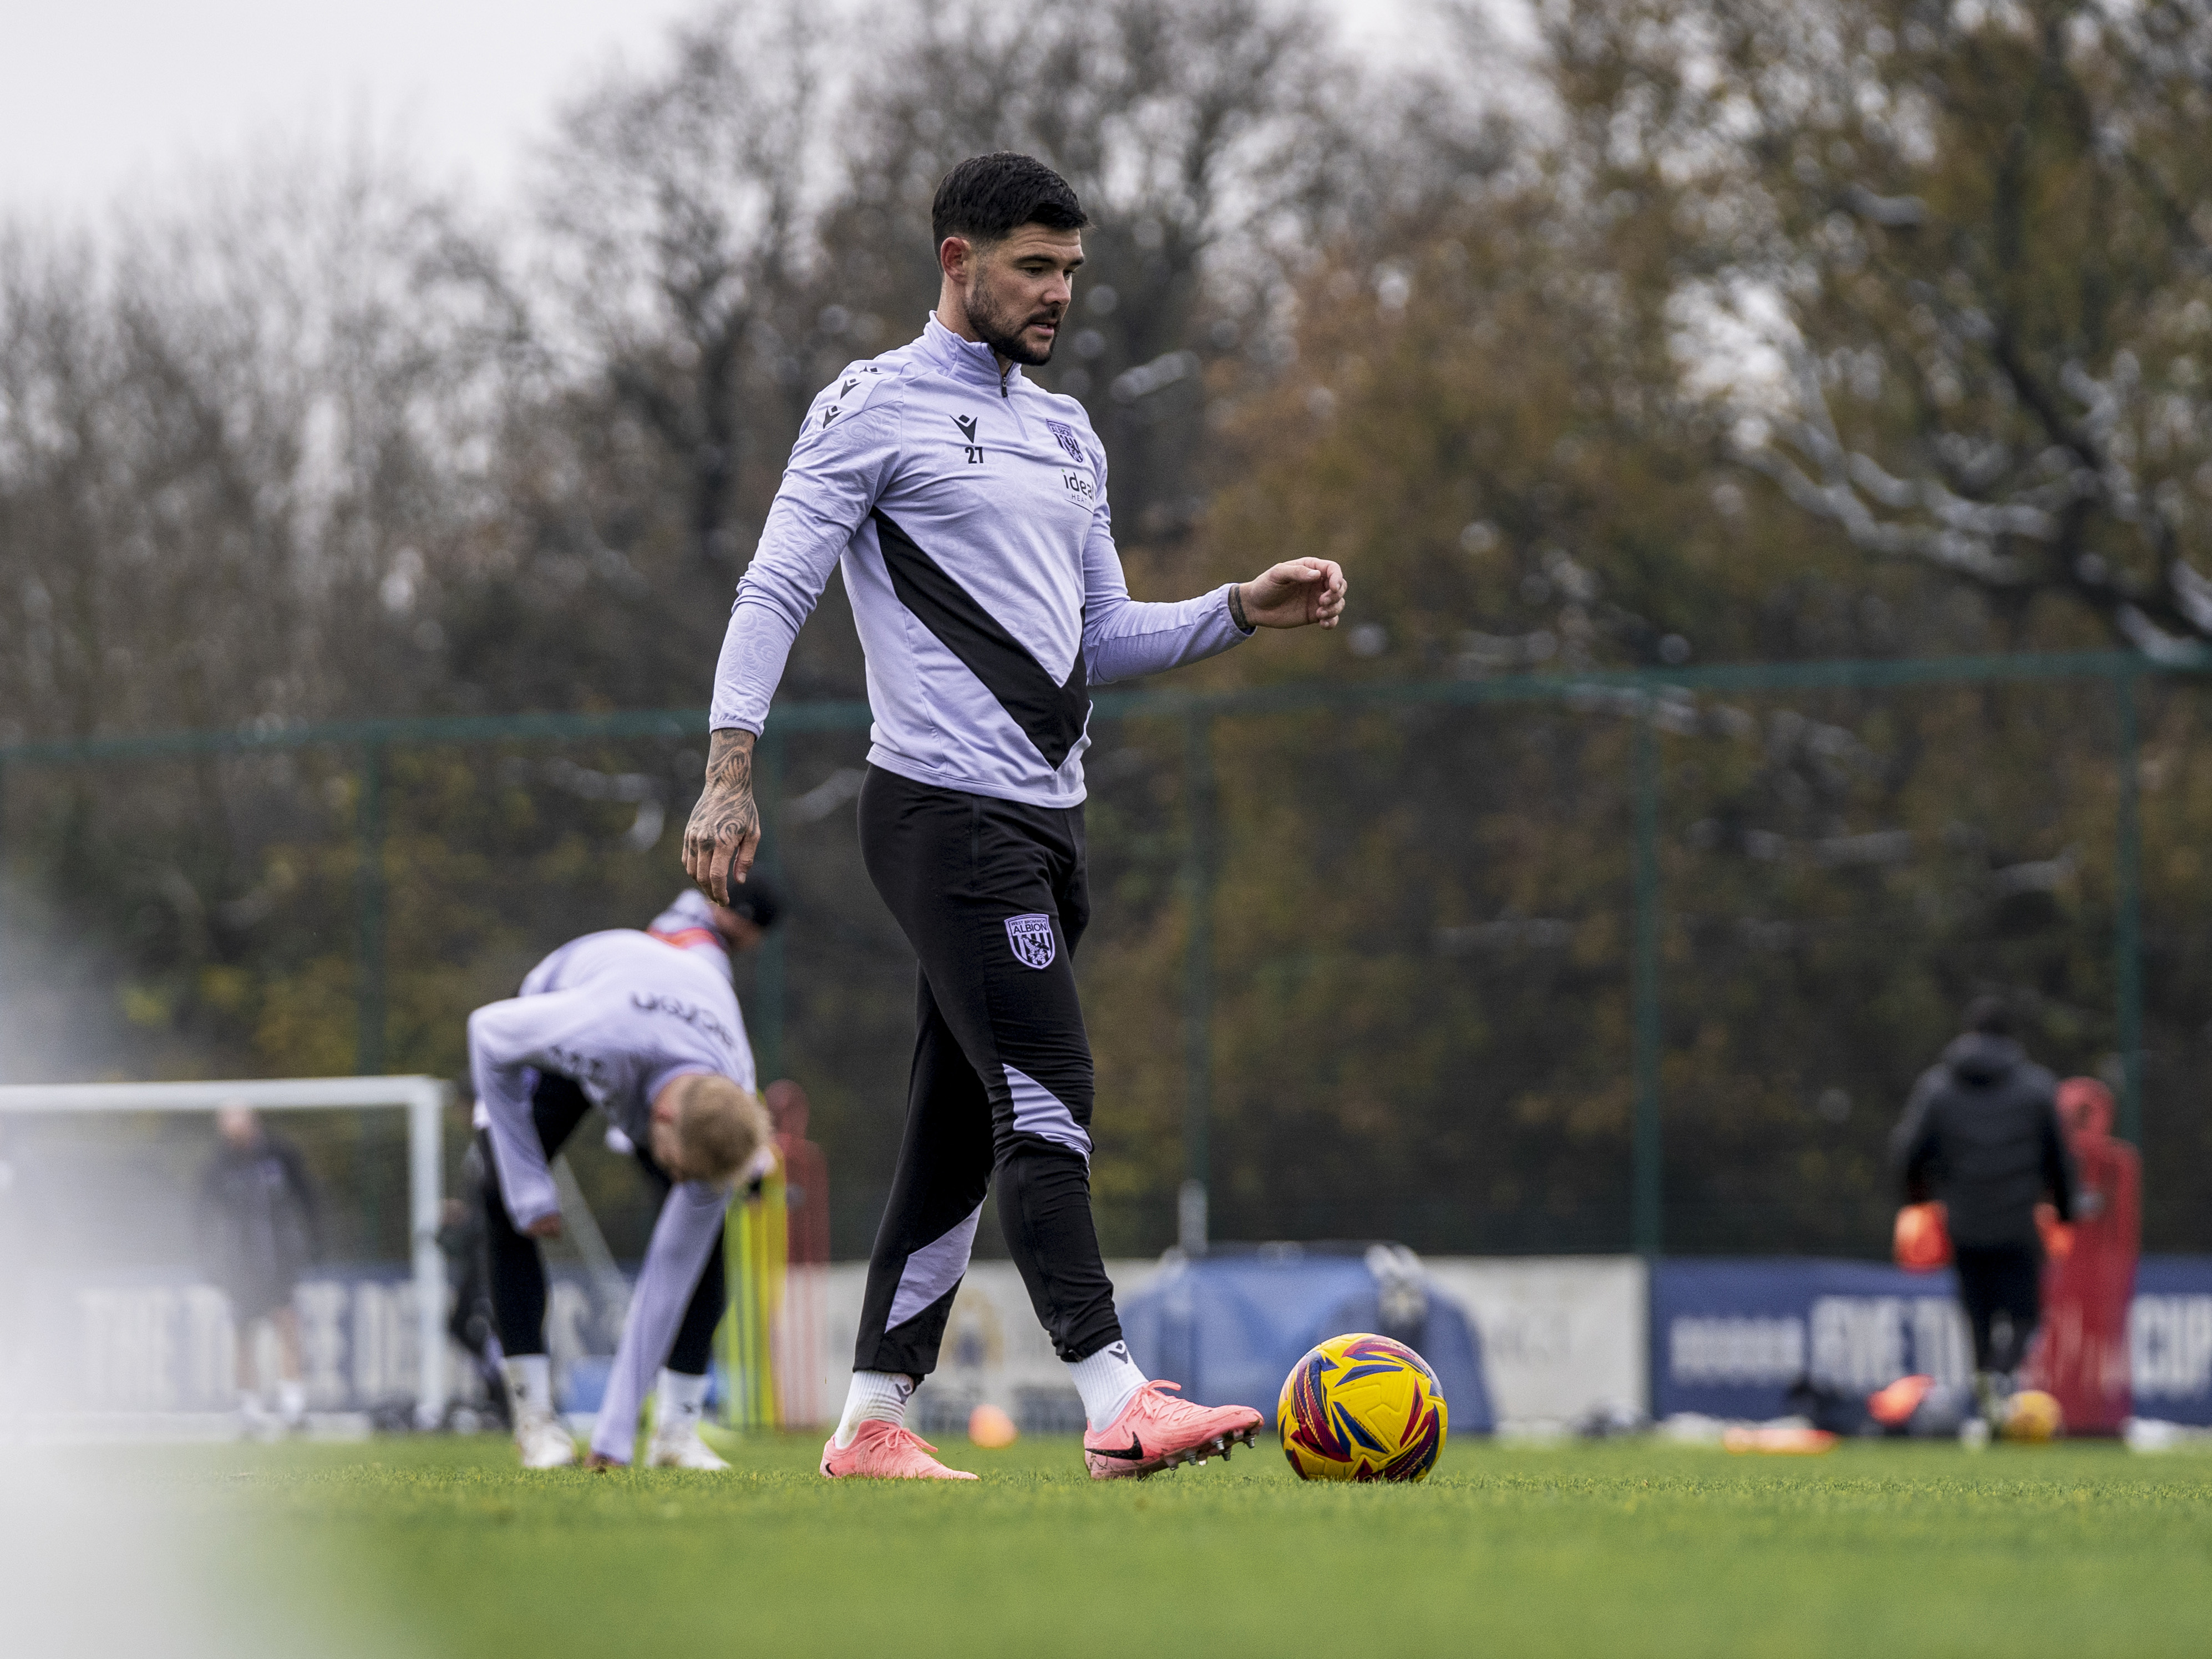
x: 1236, y: 608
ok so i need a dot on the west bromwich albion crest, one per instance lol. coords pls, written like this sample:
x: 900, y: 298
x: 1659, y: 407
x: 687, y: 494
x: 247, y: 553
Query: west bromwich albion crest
x: 1068, y: 441
x: 1031, y: 937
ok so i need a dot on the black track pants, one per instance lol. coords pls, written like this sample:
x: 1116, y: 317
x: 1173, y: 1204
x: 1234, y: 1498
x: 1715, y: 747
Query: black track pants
x: 991, y: 895
x: 518, y: 1265
x: 2000, y: 1279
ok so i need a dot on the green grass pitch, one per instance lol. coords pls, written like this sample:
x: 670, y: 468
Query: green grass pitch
x: 443, y: 1546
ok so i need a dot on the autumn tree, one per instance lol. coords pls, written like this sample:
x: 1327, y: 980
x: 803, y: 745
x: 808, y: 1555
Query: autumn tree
x: 1953, y: 260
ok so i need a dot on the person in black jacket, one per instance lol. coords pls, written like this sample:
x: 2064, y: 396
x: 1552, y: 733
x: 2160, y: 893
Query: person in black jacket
x: 260, y: 1225
x: 1981, y: 1134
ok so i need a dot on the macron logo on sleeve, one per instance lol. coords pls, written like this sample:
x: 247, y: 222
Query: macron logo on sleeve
x: 852, y: 391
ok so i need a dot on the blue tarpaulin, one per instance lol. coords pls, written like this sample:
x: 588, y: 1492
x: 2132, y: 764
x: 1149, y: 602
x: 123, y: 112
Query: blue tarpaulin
x: 1230, y: 1328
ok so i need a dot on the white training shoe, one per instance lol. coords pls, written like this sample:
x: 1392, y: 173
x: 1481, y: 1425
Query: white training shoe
x: 544, y: 1443
x: 679, y: 1447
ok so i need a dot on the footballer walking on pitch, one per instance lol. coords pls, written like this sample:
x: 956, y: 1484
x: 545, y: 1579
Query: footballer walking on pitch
x: 645, y: 1027
x: 967, y: 507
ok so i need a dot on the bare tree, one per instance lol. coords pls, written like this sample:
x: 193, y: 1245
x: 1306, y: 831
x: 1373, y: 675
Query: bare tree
x: 243, y: 442
x: 231, y: 434
x: 678, y: 207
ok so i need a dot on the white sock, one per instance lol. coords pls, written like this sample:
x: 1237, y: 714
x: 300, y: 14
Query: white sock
x: 292, y: 1398
x: 876, y: 1397
x: 1107, y: 1380
x: 530, y: 1384
x: 681, y: 1401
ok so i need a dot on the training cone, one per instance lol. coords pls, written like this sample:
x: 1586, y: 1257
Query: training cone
x: 1893, y: 1406
x: 989, y: 1427
x: 1779, y: 1441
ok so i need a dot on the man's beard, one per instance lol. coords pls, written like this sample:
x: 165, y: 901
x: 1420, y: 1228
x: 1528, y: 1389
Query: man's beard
x: 1002, y: 332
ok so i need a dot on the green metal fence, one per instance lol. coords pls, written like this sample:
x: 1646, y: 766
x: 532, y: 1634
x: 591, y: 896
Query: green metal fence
x: 1643, y: 696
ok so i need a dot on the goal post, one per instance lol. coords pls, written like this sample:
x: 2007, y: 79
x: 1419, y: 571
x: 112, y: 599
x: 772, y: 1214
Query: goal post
x: 425, y: 1100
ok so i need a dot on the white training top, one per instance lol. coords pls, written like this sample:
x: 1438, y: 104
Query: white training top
x: 623, y: 1014
x: 968, y: 508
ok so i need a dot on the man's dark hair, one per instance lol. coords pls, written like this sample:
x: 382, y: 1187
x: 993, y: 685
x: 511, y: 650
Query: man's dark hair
x: 1990, y: 1015
x: 987, y: 197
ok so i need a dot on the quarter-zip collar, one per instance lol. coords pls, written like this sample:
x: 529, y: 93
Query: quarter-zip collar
x: 969, y: 362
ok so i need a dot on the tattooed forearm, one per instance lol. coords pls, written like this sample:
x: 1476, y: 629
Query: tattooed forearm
x: 719, y: 842
x: 730, y: 761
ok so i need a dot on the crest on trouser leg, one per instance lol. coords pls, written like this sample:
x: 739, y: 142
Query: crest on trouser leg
x: 1031, y: 937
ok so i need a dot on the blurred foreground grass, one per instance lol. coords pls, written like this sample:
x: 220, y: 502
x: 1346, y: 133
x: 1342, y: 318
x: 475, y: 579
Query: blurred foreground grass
x: 442, y: 1547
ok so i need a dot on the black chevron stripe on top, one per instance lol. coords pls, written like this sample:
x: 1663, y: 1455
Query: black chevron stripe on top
x: 1052, y: 716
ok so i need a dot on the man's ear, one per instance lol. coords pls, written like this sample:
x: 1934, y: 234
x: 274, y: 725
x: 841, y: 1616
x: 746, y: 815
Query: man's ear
x: 956, y: 258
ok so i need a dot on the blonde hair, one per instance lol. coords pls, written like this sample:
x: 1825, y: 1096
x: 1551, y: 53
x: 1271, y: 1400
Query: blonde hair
x: 720, y: 1125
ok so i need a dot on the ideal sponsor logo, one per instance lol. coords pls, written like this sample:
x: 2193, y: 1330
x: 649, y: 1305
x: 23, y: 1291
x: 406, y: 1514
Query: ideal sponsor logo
x: 1079, y: 486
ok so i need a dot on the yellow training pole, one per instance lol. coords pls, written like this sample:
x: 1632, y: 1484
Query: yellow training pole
x: 755, y: 1245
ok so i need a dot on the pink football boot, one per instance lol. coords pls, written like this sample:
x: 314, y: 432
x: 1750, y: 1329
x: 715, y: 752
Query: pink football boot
x: 1154, y: 1432
x: 886, y: 1451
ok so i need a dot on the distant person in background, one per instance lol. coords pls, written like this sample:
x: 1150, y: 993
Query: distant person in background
x: 1981, y: 1136
x: 461, y: 1236
x: 696, y: 922
x: 260, y: 1225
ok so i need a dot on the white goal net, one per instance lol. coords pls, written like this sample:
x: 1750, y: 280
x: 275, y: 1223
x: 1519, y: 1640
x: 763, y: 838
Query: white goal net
x: 132, y: 1336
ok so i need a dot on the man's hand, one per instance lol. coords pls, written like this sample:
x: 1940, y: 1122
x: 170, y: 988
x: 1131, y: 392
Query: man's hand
x: 725, y: 831
x: 546, y: 1226
x: 1295, y: 594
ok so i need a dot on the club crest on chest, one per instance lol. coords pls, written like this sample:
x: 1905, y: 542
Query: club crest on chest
x: 1068, y: 441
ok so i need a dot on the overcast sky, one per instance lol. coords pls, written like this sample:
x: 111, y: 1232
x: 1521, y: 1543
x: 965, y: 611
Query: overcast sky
x: 101, y: 96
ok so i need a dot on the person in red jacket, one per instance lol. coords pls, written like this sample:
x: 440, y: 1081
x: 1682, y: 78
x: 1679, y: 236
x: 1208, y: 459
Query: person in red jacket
x: 2082, y: 1358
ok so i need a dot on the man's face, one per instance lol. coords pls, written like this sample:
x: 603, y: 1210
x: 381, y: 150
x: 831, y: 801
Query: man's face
x: 1017, y: 291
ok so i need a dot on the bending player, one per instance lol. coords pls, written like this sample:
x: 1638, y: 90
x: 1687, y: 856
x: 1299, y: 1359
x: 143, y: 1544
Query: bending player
x: 644, y: 1026
x: 967, y: 505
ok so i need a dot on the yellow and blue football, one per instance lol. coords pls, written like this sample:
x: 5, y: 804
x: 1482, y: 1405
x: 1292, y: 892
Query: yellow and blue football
x: 1361, y: 1408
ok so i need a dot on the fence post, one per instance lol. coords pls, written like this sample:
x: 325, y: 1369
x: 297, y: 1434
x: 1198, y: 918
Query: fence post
x: 1191, y: 1220
x: 369, y: 1039
x: 768, y: 972
x: 1644, y: 1229
x: 2127, y: 879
